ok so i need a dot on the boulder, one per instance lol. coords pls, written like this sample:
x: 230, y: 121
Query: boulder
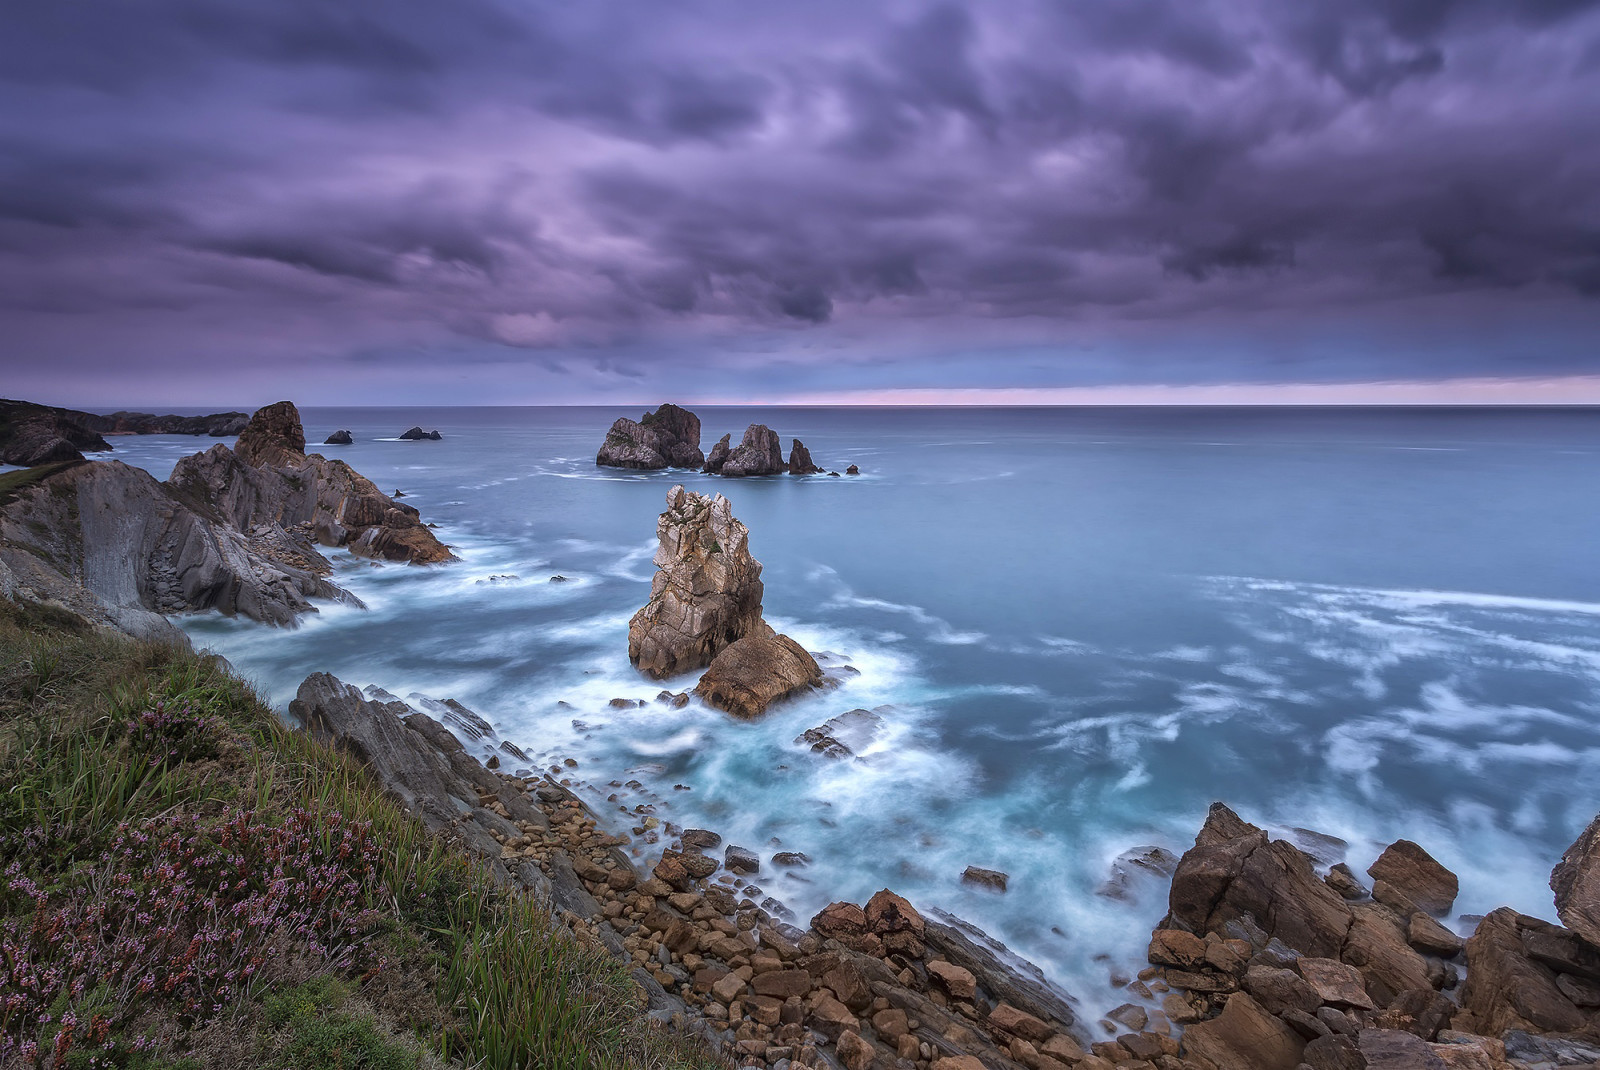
x: 1506, y: 988
x: 1576, y: 882
x: 741, y: 860
x: 852, y: 471
x: 845, y: 735
x: 759, y: 454
x: 1130, y: 865
x: 706, y: 593
x: 1415, y: 874
x: 339, y: 438
x: 669, y: 437
x: 800, y: 463
x: 992, y: 879
x: 752, y: 673
x: 417, y: 434
x: 1245, y: 1034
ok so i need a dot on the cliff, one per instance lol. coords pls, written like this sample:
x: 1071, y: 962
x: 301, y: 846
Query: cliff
x: 669, y: 437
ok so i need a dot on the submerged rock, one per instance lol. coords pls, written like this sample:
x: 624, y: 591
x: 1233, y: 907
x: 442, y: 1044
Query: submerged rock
x: 759, y: 454
x: 669, y: 437
x: 417, y: 434
x: 845, y: 735
x: 852, y: 471
x: 339, y: 438
x: 751, y: 674
x: 706, y: 592
x: 992, y: 879
x: 800, y: 463
x: 1132, y: 864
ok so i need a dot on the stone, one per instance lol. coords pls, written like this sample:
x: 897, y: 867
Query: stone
x: 1421, y: 1011
x: 955, y: 980
x: 417, y: 434
x: 1281, y: 990
x: 1245, y: 1035
x: 741, y: 860
x: 752, y: 673
x: 832, y: 1018
x: 339, y: 438
x: 706, y: 593
x: 853, y: 1052
x: 1335, y: 982
x: 891, y: 1024
x: 1576, y: 883
x: 669, y: 437
x: 1334, y: 1052
x: 700, y: 838
x: 852, y: 471
x: 1506, y: 989
x: 800, y: 463
x: 1376, y: 944
x: 791, y: 859
x: 1174, y: 947
x: 728, y: 988
x: 958, y: 1062
x: 992, y: 879
x: 758, y: 454
x: 1131, y: 1015
x: 845, y: 735
x: 718, y: 456
x: 1018, y: 1023
x: 1395, y: 1049
x: 781, y: 984
x: 840, y: 921
x: 1417, y: 876
x: 1428, y: 936
x: 1342, y: 879
x: 1128, y: 867
x: 887, y: 913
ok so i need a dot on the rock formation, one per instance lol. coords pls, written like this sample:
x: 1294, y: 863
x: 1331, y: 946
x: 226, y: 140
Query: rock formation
x: 1576, y: 882
x: 339, y: 438
x: 759, y: 454
x: 719, y: 456
x: 800, y: 463
x: 31, y: 435
x: 752, y: 673
x: 217, y: 424
x: 115, y: 546
x: 268, y: 479
x: 669, y: 437
x: 417, y: 434
x: 846, y: 735
x: 706, y: 592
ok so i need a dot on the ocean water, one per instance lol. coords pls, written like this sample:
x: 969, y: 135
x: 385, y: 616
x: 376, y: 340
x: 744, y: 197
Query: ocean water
x: 1088, y: 624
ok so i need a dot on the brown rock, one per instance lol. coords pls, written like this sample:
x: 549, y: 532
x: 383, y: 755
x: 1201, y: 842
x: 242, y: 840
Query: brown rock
x: 1335, y: 982
x: 758, y: 454
x: 1576, y: 882
x: 1395, y: 1049
x: 1416, y: 875
x: 1429, y: 937
x: 889, y: 913
x: 1342, y: 879
x: 1064, y: 1047
x: 955, y: 980
x: 891, y: 1024
x: 1280, y: 991
x: 752, y: 673
x: 992, y: 879
x: 853, y: 1052
x: 707, y: 590
x: 1174, y: 947
x: 728, y: 988
x: 1377, y: 946
x: 781, y: 984
x: 1505, y: 989
x: 1245, y: 1035
x: 1131, y: 1015
x: 831, y: 1018
x: 840, y: 921
x: 957, y: 1062
x: 1335, y: 1052
x: 1009, y: 1019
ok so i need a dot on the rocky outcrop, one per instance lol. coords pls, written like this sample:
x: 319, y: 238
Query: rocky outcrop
x: 268, y: 480
x: 800, y: 463
x: 217, y: 424
x: 1576, y: 882
x: 32, y: 435
x: 719, y: 456
x: 669, y: 437
x: 846, y: 735
x: 753, y: 673
x: 117, y: 547
x: 706, y: 593
x: 339, y: 438
x: 759, y: 454
x: 417, y: 434
x: 1414, y: 876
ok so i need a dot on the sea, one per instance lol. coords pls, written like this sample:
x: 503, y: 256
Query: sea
x: 1081, y: 626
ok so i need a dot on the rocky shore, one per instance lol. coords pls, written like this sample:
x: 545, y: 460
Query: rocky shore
x: 40, y: 434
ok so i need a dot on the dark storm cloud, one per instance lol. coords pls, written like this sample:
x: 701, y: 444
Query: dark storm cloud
x: 642, y: 186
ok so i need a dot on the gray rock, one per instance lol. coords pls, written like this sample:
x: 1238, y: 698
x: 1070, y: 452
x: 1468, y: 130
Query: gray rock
x: 417, y: 434
x: 669, y: 437
x: 759, y: 454
x: 800, y: 463
x: 339, y: 438
x: 844, y: 735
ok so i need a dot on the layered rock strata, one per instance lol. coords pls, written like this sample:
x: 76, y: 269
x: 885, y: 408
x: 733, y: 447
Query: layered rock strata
x: 706, y: 593
x: 669, y: 437
x: 32, y: 435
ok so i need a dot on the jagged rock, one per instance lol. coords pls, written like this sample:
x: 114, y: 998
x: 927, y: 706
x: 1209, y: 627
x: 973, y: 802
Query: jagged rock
x: 741, y: 860
x: 852, y: 471
x: 669, y: 437
x: 759, y: 454
x: 1505, y: 988
x: 718, y: 456
x: 268, y: 480
x: 800, y: 463
x: 1133, y: 863
x: 339, y: 438
x: 217, y: 424
x: 844, y: 735
x: 752, y: 673
x: 706, y: 593
x: 1335, y: 982
x: 33, y: 435
x: 992, y: 879
x: 1245, y: 1034
x: 1428, y: 936
x: 1576, y: 882
x: 1415, y: 874
x: 110, y: 543
x: 999, y: 973
x: 417, y: 434
x: 1342, y: 879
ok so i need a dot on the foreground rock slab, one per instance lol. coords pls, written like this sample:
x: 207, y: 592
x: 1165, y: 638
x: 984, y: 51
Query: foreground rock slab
x: 753, y: 673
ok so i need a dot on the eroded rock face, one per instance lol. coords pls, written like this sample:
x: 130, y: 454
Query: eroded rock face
x: 759, y: 454
x: 339, y: 438
x: 669, y: 437
x: 268, y: 479
x: 1416, y: 875
x: 1576, y: 882
x: 417, y: 434
x: 707, y: 589
x: 800, y: 463
x: 718, y: 456
x: 751, y: 674
x: 32, y: 435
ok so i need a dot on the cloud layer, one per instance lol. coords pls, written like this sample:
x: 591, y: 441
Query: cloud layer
x: 574, y: 202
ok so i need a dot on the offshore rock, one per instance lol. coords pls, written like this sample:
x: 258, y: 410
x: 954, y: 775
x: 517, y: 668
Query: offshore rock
x: 759, y: 454
x: 669, y: 437
x: 800, y: 463
x: 1576, y: 882
x: 112, y: 544
x: 339, y: 438
x: 845, y: 735
x: 417, y: 434
x: 31, y: 435
x: 751, y: 674
x: 706, y: 593
x: 719, y: 456
x: 268, y: 480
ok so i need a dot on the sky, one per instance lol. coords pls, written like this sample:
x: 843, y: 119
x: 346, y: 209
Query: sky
x: 508, y: 202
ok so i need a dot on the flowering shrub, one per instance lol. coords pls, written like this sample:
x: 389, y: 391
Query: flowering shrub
x: 182, y: 910
x: 173, y: 735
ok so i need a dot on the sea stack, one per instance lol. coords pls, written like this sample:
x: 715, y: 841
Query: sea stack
x: 669, y: 437
x: 800, y: 463
x: 707, y: 589
x: 759, y: 454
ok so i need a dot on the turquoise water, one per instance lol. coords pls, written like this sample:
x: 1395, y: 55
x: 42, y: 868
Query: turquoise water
x: 1090, y: 623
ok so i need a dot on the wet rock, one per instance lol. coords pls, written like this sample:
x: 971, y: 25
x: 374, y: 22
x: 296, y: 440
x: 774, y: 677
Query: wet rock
x: 1417, y: 876
x: 1244, y: 1035
x: 741, y: 860
x: 1428, y: 936
x: 845, y: 735
x: 992, y: 879
x: 1576, y: 882
x: 1018, y: 1023
x: 800, y: 463
x: 339, y: 438
x: 703, y: 839
x: 852, y: 471
x: 706, y: 593
x: 1133, y: 864
x: 1506, y: 989
x: 417, y: 434
x: 998, y: 972
x: 759, y: 454
x: 1178, y: 949
x: 1342, y: 879
x: 791, y: 859
x: 669, y: 437
x: 752, y: 673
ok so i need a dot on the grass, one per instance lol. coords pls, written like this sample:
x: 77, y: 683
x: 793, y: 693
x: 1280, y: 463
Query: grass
x: 13, y: 483
x: 186, y: 882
